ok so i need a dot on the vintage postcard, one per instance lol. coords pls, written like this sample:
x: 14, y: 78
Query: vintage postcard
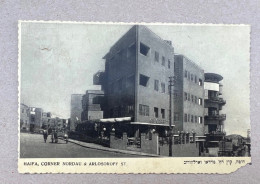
x: 133, y: 97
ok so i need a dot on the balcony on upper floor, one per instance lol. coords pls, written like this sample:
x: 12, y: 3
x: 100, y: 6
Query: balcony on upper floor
x: 220, y: 117
x: 216, y: 100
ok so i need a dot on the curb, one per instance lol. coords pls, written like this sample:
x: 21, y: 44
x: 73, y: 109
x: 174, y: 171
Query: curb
x: 113, y: 150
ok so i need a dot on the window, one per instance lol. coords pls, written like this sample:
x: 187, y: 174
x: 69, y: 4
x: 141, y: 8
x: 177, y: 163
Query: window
x: 131, y: 51
x: 176, y: 117
x: 185, y: 96
x: 195, y: 79
x: 144, y: 49
x: 156, y: 56
x: 186, y: 74
x: 163, y: 60
x: 200, y: 82
x: 185, y: 118
x: 163, y: 113
x: 191, y: 98
x: 143, y: 80
x: 195, y: 100
x: 188, y: 96
x: 196, y: 119
x: 200, y: 101
x: 130, y: 109
x: 188, y: 118
x: 143, y: 110
x: 163, y: 87
x: 200, y: 119
x: 191, y: 77
x: 175, y: 67
x: 169, y: 63
x: 156, y: 114
x: 156, y: 85
x: 191, y: 118
x: 22, y: 110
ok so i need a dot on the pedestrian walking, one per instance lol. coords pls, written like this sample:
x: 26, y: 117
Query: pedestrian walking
x: 45, y: 135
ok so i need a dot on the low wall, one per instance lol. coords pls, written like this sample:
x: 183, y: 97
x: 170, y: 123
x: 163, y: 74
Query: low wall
x: 118, y: 143
x: 83, y: 137
x: 149, y: 145
x: 180, y: 150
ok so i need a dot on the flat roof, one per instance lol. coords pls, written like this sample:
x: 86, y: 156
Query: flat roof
x: 213, y: 77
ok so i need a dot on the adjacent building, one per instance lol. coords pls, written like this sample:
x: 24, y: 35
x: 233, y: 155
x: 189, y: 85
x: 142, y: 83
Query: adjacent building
x: 35, y: 118
x: 91, y: 105
x: 188, y: 96
x: 75, y: 110
x: 24, y: 117
x: 46, y: 118
x: 214, y: 120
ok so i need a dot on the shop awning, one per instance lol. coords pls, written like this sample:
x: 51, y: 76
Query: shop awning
x: 149, y: 124
x: 114, y: 120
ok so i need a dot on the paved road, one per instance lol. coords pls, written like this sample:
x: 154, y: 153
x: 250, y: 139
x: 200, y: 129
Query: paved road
x: 33, y: 146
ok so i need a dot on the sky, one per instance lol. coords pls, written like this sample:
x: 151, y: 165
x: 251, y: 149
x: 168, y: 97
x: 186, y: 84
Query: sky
x: 59, y: 59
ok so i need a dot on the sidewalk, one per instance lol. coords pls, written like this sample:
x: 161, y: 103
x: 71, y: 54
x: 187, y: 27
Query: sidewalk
x: 99, y: 147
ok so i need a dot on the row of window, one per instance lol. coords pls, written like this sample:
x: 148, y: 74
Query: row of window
x: 145, y: 50
x: 120, y: 111
x: 193, y: 78
x: 193, y: 118
x: 144, y: 111
x: 144, y: 80
x: 193, y: 98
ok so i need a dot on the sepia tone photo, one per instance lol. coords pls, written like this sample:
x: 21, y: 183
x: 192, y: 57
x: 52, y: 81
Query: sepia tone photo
x: 99, y: 90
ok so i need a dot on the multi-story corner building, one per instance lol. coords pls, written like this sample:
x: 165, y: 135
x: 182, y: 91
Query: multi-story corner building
x: 136, y: 85
x: 91, y: 105
x: 24, y: 117
x: 214, y: 120
x: 137, y: 70
x: 75, y: 110
x: 188, y: 96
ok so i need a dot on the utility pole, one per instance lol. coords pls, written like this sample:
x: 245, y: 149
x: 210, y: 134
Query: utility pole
x: 172, y: 81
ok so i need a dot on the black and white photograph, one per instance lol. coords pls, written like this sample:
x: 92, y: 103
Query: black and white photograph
x: 113, y: 90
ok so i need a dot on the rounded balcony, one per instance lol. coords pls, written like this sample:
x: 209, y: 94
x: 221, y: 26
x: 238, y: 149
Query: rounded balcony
x: 212, y: 77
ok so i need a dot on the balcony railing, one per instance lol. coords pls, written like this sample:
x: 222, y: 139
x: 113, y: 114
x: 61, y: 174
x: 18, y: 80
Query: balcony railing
x: 216, y: 100
x: 216, y: 117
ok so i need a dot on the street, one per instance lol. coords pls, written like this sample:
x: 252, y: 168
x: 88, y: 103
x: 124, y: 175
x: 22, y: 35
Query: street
x: 33, y: 146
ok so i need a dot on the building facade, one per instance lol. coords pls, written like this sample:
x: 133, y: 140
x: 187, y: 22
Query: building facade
x: 75, y: 110
x: 188, y: 96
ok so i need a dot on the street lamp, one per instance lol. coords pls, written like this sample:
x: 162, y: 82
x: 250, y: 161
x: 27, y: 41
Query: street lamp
x: 172, y: 81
